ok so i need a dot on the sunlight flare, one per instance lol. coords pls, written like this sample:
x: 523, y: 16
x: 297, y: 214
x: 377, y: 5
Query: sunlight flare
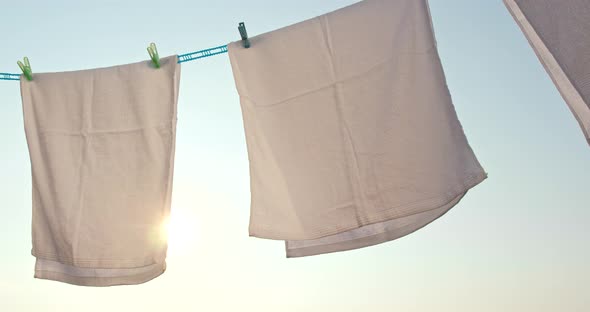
x: 179, y: 230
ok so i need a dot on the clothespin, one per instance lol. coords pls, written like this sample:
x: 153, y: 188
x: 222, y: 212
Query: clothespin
x: 26, y: 68
x: 244, y: 34
x: 153, y: 51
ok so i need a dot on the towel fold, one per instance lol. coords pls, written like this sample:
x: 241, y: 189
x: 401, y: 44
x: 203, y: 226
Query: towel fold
x: 351, y: 133
x: 101, y: 145
x: 559, y: 32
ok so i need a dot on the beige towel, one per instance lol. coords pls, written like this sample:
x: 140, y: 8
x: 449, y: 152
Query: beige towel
x: 559, y: 32
x: 101, y: 144
x: 352, y: 136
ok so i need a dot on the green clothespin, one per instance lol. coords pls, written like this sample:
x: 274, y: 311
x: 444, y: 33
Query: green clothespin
x: 244, y: 35
x: 153, y: 51
x: 26, y: 68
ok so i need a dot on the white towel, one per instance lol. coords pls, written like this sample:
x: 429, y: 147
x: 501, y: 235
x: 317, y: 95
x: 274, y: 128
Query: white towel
x: 559, y: 32
x: 101, y: 144
x: 352, y: 136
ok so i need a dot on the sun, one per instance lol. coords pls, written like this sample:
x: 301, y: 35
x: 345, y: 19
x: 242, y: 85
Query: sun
x: 179, y: 230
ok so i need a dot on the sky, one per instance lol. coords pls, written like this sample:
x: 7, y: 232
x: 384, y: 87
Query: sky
x: 517, y: 242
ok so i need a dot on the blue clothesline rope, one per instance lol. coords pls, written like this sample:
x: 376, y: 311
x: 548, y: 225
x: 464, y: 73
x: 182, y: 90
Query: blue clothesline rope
x: 181, y: 59
x: 7, y: 76
x: 201, y: 54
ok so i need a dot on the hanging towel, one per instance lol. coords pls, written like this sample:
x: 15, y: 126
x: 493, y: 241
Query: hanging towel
x: 351, y: 133
x: 559, y: 32
x: 101, y: 145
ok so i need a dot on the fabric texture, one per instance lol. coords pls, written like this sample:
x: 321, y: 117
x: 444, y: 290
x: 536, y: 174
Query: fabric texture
x: 559, y: 32
x: 351, y: 133
x: 101, y: 145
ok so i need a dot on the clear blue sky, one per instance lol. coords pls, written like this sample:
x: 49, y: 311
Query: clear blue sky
x: 518, y: 242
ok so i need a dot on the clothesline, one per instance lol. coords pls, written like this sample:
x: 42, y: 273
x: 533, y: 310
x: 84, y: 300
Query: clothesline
x: 181, y: 59
x: 26, y: 68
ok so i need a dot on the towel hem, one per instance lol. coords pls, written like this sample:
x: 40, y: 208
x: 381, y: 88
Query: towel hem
x: 96, y: 263
x: 101, y: 281
x: 370, y: 240
x: 264, y: 231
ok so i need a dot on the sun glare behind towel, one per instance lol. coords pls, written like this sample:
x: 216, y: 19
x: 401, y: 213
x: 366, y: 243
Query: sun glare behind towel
x: 179, y: 230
